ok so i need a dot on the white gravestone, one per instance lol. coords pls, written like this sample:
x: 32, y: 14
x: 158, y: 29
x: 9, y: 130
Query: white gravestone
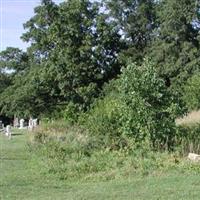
x: 194, y: 157
x: 21, y: 123
x: 30, y: 124
x: 16, y: 122
x: 35, y: 122
x: 8, y: 131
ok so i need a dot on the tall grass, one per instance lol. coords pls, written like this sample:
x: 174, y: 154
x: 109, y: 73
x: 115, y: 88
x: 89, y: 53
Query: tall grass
x: 191, y: 118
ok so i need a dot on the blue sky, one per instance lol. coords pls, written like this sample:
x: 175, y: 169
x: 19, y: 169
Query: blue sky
x: 13, y: 14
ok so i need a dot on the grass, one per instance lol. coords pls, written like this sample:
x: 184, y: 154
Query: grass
x: 21, y: 178
x: 190, y: 119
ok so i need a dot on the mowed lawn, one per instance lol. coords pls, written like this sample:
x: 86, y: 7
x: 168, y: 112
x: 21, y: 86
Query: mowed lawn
x: 21, y: 179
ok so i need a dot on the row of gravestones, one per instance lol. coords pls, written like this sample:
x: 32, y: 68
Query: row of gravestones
x: 18, y: 124
x: 32, y: 123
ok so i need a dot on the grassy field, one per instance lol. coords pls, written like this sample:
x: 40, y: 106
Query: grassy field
x: 20, y: 178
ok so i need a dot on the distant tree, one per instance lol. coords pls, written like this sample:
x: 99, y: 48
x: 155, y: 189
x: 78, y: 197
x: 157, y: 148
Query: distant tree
x: 137, y: 22
x: 176, y: 49
x: 13, y: 59
x: 4, y: 81
x: 13, y: 64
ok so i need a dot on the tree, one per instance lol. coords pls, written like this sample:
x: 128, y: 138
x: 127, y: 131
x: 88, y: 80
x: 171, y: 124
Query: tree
x: 76, y: 47
x: 137, y: 22
x: 13, y: 59
x: 4, y: 81
x: 13, y: 64
x: 176, y: 49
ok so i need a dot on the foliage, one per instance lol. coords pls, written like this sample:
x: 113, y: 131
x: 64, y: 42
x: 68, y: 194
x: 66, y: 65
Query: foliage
x: 78, y: 50
x: 79, y: 45
x: 102, y: 122
x: 192, y: 92
x: 149, y: 109
x: 4, y: 81
x: 73, y: 155
x: 176, y: 49
x: 137, y: 22
x: 13, y: 59
x: 136, y: 106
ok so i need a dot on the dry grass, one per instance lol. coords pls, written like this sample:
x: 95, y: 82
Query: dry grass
x: 191, y: 118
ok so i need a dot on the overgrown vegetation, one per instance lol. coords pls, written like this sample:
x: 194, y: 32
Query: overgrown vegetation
x: 192, y: 92
x: 73, y: 154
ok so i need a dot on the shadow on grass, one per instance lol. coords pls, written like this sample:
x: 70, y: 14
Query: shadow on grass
x: 16, y: 134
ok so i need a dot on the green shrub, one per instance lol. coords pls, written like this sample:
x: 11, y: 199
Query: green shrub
x: 102, y: 122
x: 148, y: 110
x: 67, y: 160
x: 71, y: 113
x: 192, y: 92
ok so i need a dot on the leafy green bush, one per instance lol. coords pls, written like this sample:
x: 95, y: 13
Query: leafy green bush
x: 71, y: 153
x: 192, y: 92
x: 102, y: 122
x: 71, y: 113
x: 149, y: 110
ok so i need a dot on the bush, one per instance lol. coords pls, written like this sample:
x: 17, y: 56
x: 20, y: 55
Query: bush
x: 102, y: 122
x: 149, y: 110
x: 192, y: 92
x: 71, y: 113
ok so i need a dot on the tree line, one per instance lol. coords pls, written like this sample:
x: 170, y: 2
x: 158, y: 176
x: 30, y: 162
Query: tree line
x: 79, y: 46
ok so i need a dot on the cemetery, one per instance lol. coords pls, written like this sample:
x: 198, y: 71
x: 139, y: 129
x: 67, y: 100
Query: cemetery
x: 7, y: 125
x: 100, y: 99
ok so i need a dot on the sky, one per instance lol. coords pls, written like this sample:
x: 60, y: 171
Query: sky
x: 13, y: 13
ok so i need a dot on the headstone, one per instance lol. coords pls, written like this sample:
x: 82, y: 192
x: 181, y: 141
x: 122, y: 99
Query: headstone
x: 30, y: 124
x: 194, y: 157
x: 35, y: 123
x: 8, y: 131
x: 21, y: 123
x: 16, y: 122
